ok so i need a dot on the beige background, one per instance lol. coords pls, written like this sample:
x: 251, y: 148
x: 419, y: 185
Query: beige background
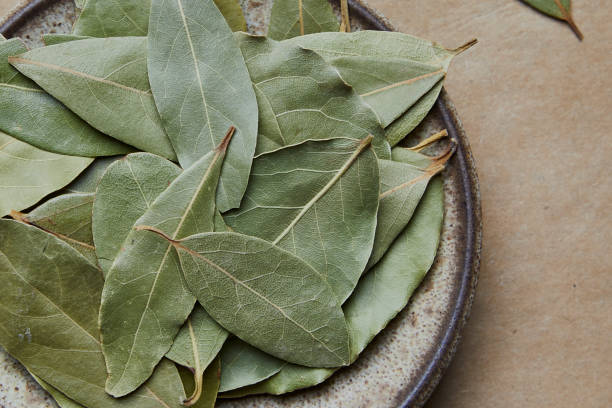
x: 536, y: 104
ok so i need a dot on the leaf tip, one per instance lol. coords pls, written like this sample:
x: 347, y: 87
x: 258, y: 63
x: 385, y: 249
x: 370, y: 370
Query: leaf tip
x: 465, y: 46
x: 226, y: 139
x: 19, y: 216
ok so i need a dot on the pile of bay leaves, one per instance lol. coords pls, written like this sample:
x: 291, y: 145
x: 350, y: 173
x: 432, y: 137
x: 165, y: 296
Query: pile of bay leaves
x: 198, y: 212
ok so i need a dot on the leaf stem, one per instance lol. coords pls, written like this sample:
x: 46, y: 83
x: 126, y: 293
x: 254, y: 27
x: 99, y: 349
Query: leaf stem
x: 301, y: 13
x: 198, y: 376
x: 345, y: 26
x: 465, y: 46
x: 430, y: 140
x: 567, y: 16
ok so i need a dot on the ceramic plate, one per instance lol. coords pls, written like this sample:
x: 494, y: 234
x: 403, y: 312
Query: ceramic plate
x: 404, y: 364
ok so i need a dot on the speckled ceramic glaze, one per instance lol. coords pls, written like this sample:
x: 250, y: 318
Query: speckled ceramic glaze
x: 403, y: 365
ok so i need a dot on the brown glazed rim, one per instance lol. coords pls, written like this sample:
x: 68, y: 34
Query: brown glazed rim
x: 469, y: 205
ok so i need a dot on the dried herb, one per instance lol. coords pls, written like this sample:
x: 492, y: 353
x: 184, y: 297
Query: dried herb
x: 208, y: 91
x: 559, y: 9
x: 291, y: 18
x: 104, y: 81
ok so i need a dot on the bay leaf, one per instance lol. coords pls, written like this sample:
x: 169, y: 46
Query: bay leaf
x: 266, y: 296
x: 406, y: 70
x: 145, y: 278
x: 382, y: 293
x: 113, y: 18
x: 28, y: 174
x: 403, y: 183
x: 88, y: 180
x: 61, y: 400
x: 559, y: 9
x: 34, y: 117
x: 291, y: 18
x: 54, y: 39
x: 125, y: 192
x: 301, y: 97
x: 196, y: 348
x: 104, y: 81
x: 49, y: 320
x: 317, y: 200
x: 243, y: 364
x: 201, y: 86
x: 345, y: 22
x: 127, y: 18
x: 68, y: 217
x: 210, y: 385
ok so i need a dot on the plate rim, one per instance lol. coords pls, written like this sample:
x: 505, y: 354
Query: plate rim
x: 464, y: 160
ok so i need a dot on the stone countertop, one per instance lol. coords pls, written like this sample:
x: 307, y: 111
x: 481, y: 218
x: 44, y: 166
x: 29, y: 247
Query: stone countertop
x: 535, y: 103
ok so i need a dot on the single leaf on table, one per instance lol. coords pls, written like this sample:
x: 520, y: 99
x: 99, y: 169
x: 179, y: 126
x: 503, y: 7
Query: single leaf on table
x: 33, y: 116
x: 68, y: 217
x: 403, y: 183
x: 291, y: 18
x: 201, y: 87
x: 196, y: 347
x: 243, y: 364
x: 145, y: 300
x: 266, y: 296
x: 210, y: 386
x: 88, y: 180
x: 28, y: 174
x: 317, y: 200
x: 559, y: 9
x: 301, y: 97
x: 104, y: 81
x: 49, y: 320
x: 61, y: 400
x: 391, y: 71
x: 381, y: 294
x: 125, y: 192
x: 113, y: 18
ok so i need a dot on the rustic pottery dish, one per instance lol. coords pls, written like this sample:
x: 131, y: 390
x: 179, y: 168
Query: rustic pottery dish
x: 404, y: 364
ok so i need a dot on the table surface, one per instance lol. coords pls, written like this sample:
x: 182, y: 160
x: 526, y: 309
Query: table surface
x: 535, y: 103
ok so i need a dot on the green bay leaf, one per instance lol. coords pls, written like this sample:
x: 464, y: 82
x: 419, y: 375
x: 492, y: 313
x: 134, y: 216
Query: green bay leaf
x: 243, y: 364
x: 34, y: 117
x: 49, y: 320
x: 28, y: 174
x: 291, y: 18
x: 196, y: 346
x: 267, y: 296
x: 317, y: 200
x: 392, y: 71
x: 382, y: 293
x: 61, y: 400
x: 145, y: 301
x: 68, y: 217
x: 201, y: 87
x: 125, y: 192
x: 113, y: 18
x: 233, y: 14
x: 559, y: 9
x: 302, y: 97
x: 88, y: 180
x: 104, y: 81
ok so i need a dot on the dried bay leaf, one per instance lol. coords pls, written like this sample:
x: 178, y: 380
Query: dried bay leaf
x: 243, y: 364
x: 301, y: 97
x: 68, y: 217
x: 113, y: 18
x: 210, y: 386
x: 291, y: 18
x: 28, y: 174
x: 559, y: 9
x: 34, y: 117
x: 139, y: 331
x: 201, y: 86
x: 125, y: 192
x: 403, y: 183
x: 196, y: 347
x: 317, y: 200
x: 128, y: 18
x: 54, y: 39
x: 49, y: 320
x: 407, y: 69
x: 61, y: 400
x: 265, y: 295
x: 104, y: 81
x: 382, y: 293
x: 88, y: 180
